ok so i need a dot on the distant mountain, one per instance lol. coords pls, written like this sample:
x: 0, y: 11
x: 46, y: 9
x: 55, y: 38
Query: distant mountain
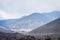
x: 49, y: 28
x: 31, y: 21
x: 54, y: 14
x: 7, y: 22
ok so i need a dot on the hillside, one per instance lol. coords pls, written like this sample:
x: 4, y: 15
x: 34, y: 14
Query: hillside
x: 49, y: 28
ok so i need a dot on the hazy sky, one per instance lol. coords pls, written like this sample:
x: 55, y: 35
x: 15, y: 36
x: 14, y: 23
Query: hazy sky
x: 19, y: 8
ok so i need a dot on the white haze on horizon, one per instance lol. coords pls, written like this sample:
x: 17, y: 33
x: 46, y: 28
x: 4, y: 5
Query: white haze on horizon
x: 10, y: 9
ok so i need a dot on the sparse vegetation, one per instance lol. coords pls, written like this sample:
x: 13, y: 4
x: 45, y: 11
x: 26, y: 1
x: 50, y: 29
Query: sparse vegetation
x: 12, y: 36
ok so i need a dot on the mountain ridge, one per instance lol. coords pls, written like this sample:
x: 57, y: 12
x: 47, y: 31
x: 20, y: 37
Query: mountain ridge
x: 31, y: 21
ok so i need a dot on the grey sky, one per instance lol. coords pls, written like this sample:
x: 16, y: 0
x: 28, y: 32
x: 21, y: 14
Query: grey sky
x: 19, y: 8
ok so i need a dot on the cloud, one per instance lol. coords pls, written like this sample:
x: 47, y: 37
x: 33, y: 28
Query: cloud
x: 42, y: 5
x: 19, y: 8
x: 3, y: 14
x: 21, y: 30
